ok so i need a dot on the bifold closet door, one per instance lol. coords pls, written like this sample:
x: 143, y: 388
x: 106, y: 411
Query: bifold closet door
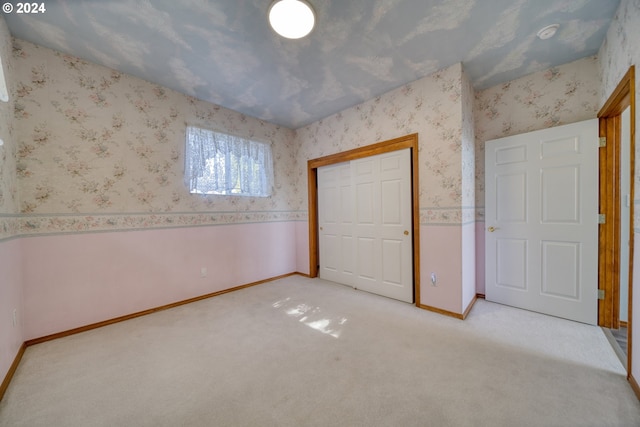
x: 336, y: 225
x: 364, y: 211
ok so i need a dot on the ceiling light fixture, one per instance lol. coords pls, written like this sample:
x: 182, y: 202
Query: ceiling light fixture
x: 548, y: 31
x: 292, y: 19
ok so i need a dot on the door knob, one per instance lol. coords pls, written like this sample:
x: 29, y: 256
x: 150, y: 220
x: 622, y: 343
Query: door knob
x: 320, y: 228
x: 406, y: 232
x: 492, y: 229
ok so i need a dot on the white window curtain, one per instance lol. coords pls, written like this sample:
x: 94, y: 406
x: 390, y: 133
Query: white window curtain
x: 216, y: 163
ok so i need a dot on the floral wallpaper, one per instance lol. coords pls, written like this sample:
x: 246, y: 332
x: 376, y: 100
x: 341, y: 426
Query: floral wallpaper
x: 468, y: 143
x: 96, y: 141
x: 9, y: 204
x: 560, y: 95
x: 619, y: 51
x: 431, y: 107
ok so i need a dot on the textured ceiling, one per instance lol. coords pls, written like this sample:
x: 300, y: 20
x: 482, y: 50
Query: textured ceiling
x: 224, y: 51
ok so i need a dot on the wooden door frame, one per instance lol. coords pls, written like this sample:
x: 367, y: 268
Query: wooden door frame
x: 609, y: 232
x: 408, y: 141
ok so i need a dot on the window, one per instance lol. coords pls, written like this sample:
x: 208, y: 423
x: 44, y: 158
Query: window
x: 216, y: 163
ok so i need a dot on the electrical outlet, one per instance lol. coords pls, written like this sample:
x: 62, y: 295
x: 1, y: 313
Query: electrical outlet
x: 15, y: 317
x: 434, y: 279
x: 203, y: 272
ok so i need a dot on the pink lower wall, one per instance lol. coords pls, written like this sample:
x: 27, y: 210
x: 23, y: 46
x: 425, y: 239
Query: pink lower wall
x: 480, y: 285
x: 468, y: 265
x: 75, y: 280
x: 11, y: 337
x: 302, y: 245
x: 440, y: 252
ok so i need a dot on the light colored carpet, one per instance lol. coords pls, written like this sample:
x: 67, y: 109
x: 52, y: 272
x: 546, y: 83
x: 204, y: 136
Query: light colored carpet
x: 302, y: 352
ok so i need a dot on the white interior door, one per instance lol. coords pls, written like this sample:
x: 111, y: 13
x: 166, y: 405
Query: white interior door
x: 541, y: 207
x: 365, y: 222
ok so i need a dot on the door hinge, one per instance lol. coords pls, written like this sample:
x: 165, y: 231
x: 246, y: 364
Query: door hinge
x: 602, y: 219
x: 602, y: 142
x: 600, y: 293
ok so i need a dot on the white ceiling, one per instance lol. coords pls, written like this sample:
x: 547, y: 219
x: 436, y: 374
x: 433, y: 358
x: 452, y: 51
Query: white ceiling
x: 224, y: 51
